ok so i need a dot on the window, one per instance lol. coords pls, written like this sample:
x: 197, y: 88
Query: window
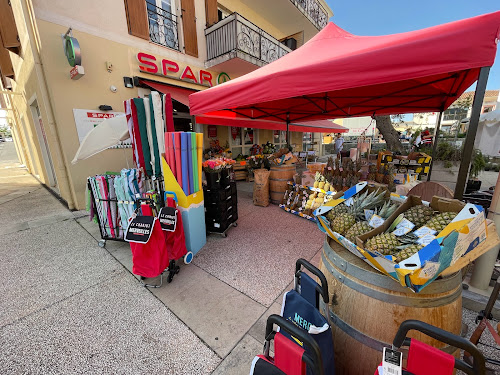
x: 241, y: 140
x: 163, y: 23
x: 279, y: 138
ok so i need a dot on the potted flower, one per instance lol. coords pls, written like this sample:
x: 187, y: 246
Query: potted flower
x: 217, y: 171
x: 478, y: 163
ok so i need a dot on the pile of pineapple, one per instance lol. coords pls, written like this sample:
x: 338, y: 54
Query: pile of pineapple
x: 317, y: 199
x: 405, y: 246
x: 350, y: 220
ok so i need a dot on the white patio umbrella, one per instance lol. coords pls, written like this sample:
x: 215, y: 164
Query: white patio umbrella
x: 108, y: 133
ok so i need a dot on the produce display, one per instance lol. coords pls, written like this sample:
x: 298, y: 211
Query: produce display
x: 401, y: 241
x: 351, y: 218
x: 268, y: 148
x: 300, y: 199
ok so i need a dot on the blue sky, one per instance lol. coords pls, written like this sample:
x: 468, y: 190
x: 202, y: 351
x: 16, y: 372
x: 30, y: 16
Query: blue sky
x: 381, y: 17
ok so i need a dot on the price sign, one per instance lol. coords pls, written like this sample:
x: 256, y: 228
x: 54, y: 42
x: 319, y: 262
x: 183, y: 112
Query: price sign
x: 140, y: 228
x: 168, y: 218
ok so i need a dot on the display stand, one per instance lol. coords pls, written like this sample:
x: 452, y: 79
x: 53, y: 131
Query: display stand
x: 221, y: 207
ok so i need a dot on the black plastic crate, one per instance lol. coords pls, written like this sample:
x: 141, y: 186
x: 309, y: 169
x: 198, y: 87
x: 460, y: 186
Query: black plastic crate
x: 218, y: 226
x: 217, y: 196
x: 219, y: 213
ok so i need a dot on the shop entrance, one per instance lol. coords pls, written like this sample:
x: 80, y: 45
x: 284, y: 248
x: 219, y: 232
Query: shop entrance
x: 44, y: 146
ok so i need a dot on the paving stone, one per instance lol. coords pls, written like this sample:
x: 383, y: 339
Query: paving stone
x: 258, y: 330
x: 217, y: 313
x: 240, y: 359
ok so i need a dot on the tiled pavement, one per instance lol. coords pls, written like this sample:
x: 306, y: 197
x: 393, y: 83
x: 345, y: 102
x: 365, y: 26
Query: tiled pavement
x: 69, y: 306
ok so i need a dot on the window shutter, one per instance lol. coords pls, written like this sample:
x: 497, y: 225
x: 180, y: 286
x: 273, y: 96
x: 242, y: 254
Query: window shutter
x: 211, y: 12
x: 6, y: 68
x: 137, y: 18
x: 189, y: 27
x: 8, y: 28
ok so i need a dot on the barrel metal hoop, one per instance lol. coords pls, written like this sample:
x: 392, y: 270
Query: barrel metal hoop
x: 391, y: 298
x: 368, y: 340
x: 382, y: 280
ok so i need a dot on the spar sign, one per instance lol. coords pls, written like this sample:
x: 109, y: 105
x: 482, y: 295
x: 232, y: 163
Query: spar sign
x: 172, y: 69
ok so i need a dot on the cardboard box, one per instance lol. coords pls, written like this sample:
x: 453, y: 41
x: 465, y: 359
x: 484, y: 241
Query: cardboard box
x: 462, y: 235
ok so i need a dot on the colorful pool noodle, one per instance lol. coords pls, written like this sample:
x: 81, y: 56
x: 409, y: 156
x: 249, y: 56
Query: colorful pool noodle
x: 169, y: 152
x: 177, y: 149
x: 190, y: 163
x: 184, y: 162
x: 199, y: 149
x: 194, y: 153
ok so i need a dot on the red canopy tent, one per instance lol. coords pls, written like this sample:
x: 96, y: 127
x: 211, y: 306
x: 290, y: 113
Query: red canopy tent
x: 337, y: 74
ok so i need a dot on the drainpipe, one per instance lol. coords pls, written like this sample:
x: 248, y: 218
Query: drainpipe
x: 56, y: 151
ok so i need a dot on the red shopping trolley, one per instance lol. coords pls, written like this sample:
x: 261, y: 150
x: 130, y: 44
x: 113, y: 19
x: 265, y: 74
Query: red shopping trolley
x: 289, y: 358
x: 424, y: 359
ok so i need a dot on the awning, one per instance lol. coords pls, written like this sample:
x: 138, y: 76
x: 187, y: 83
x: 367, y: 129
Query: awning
x: 178, y: 93
x: 225, y: 119
x: 337, y: 74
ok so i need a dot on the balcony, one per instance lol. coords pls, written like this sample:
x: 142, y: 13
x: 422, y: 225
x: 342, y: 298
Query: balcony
x: 162, y: 27
x: 314, y: 11
x: 238, y: 45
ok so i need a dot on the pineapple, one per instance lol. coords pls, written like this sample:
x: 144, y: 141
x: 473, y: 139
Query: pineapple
x: 440, y: 221
x: 317, y: 178
x: 384, y: 243
x: 341, y: 223
x: 419, y: 215
x: 372, y: 172
x: 407, y: 252
x: 361, y: 227
x: 386, y: 210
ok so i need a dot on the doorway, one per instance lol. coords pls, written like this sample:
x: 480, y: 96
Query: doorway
x: 44, y: 145
x: 29, y: 140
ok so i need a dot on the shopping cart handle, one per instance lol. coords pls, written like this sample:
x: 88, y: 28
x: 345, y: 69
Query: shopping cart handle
x: 171, y: 193
x: 315, y: 363
x: 324, y: 284
x: 449, y: 338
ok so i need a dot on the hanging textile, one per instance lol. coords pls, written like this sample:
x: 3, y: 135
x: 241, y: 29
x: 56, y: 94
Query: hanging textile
x: 142, y: 122
x: 155, y: 154
x: 137, y: 135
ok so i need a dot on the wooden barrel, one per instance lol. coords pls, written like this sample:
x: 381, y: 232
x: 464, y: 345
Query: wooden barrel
x: 367, y: 307
x: 278, y: 181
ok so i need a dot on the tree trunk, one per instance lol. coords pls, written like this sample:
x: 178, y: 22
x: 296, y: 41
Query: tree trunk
x: 391, y: 136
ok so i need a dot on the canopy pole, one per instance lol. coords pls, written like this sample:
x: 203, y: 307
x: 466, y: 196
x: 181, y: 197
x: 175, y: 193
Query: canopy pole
x: 288, y: 129
x: 468, y: 148
x: 435, y: 142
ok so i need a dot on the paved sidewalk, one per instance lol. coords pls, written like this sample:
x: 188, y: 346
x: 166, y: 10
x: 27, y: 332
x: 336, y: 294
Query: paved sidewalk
x: 69, y: 306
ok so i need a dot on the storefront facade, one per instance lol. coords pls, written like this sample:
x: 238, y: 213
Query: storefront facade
x: 124, y: 47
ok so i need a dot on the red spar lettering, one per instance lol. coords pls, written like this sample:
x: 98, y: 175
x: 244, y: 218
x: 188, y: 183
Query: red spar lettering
x: 147, y: 66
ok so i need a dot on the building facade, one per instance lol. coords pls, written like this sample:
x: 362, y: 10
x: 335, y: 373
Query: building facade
x: 66, y: 64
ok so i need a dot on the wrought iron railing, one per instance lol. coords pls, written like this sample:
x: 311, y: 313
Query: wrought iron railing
x: 162, y: 27
x: 314, y: 11
x: 236, y: 34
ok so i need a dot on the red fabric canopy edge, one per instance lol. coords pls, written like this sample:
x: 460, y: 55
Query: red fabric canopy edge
x: 178, y: 93
x: 323, y: 126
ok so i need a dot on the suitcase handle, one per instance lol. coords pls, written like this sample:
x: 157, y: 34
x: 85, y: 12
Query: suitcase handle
x: 316, y: 363
x: 449, y: 338
x: 171, y: 193
x: 323, y: 289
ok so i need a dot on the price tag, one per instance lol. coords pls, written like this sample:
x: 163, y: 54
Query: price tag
x: 401, y: 231
x: 425, y: 240
x: 168, y: 219
x: 405, y: 223
x: 349, y: 202
x: 376, y: 221
x: 422, y: 231
x: 392, y: 362
x: 369, y: 214
x: 140, y: 228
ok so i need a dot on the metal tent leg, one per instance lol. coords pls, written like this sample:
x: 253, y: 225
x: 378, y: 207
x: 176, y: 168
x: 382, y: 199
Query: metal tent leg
x: 477, y: 104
